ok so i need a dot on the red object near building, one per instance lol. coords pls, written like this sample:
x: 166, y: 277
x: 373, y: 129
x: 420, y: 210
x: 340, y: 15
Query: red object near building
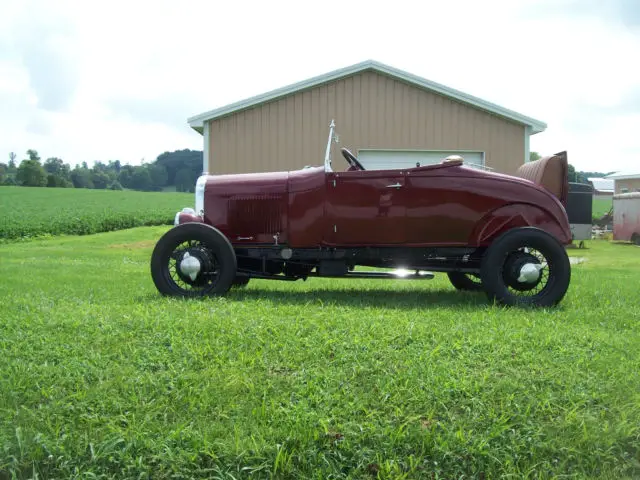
x: 626, y: 217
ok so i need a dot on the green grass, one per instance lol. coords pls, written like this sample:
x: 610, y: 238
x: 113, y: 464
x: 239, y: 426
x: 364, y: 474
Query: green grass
x: 33, y: 212
x: 601, y: 206
x: 103, y: 378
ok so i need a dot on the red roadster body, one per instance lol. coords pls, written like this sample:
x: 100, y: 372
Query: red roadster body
x: 488, y: 231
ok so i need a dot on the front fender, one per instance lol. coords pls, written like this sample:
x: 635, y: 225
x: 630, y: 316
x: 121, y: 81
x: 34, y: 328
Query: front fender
x: 187, y: 215
x: 518, y: 215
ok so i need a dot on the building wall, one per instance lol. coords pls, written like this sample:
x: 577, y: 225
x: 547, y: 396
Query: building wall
x: 371, y: 111
x: 603, y: 196
x: 633, y: 185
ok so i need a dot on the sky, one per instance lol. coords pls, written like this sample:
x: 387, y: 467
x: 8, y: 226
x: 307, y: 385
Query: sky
x: 89, y: 81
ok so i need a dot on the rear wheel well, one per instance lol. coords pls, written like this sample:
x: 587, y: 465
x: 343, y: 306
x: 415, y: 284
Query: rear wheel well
x: 515, y: 216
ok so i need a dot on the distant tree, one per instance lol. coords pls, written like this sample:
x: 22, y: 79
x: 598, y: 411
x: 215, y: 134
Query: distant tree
x: 159, y: 176
x: 141, y: 180
x: 100, y: 180
x: 586, y: 175
x: 178, y: 160
x: 183, y: 180
x: 33, y: 155
x: 31, y: 174
x: 577, y: 177
x: 533, y: 156
x: 58, y: 182
x: 81, y: 178
x: 11, y: 170
x: 3, y: 172
x: 54, y: 165
x: 115, y: 166
x: 60, y: 171
x: 115, y: 185
x: 126, y: 175
x: 99, y: 167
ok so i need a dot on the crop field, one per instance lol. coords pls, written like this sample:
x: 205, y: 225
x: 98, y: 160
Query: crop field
x: 31, y: 212
x: 601, y: 206
x: 103, y: 378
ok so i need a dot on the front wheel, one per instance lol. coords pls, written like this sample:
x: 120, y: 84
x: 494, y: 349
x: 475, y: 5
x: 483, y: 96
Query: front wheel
x: 193, y: 260
x: 465, y: 281
x: 526, y: 266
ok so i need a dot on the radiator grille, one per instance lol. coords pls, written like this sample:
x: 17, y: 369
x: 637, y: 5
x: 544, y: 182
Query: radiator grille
x: 256, y: 213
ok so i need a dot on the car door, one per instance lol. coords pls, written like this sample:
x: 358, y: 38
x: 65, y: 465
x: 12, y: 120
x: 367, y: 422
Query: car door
x: 441, y: 209
x: 365, y: 207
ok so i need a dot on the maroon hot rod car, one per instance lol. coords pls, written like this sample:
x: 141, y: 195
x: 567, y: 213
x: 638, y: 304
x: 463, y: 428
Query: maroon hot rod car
x: 501, y: 234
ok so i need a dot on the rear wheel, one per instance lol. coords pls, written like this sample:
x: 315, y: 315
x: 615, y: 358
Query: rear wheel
x: 465, y: 281
x: 193, y: 260
x: 635, y: 238
x: 526, y: 266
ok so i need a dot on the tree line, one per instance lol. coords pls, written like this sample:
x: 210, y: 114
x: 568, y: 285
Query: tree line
x: 179, y: 169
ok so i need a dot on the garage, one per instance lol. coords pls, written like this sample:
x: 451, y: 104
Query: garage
x: 395, y: 159
x: 386, y: 116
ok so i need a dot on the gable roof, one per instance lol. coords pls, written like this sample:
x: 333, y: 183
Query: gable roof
x: 197, y: 121
x: 602, y: 184
x: 624, y: 175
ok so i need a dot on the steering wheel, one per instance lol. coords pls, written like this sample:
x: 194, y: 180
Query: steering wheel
x: 351, y: 159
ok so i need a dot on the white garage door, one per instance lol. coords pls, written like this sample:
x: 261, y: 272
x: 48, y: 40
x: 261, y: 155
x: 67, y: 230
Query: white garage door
x: 393, y: 159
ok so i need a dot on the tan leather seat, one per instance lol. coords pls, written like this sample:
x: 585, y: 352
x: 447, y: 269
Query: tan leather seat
x: 551, y: 172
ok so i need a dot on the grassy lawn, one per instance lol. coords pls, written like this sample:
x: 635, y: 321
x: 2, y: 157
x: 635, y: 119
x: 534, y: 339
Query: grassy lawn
x: 102, y: 378
x: 29, y: 212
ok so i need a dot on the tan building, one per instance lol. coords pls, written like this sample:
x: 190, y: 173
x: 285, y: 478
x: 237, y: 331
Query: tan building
x: 626, y: 182
x: 386, y: 117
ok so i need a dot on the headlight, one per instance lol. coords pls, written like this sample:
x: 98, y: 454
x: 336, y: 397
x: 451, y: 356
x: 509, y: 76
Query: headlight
x: 200, y: 184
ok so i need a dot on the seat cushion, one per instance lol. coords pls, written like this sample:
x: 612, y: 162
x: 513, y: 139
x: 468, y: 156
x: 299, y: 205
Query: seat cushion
x: 550, y: 172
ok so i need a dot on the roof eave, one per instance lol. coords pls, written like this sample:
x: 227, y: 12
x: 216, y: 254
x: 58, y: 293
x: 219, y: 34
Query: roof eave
x: 631, y: 176
x: 537, y: 126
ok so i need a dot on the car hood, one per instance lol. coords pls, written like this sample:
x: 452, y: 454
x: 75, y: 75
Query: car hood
x: 247, y: 183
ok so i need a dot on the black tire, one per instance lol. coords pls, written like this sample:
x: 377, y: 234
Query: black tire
x: 635, y: 239
x: 498, y: 278
x: 465, y: 281
x: 240, y: 281
x: 212, y: 248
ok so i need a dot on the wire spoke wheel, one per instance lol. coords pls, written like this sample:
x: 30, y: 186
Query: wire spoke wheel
x: 193, y: 260
x: 526, y: 266
x: 205, y: 278
x: 533, y: 262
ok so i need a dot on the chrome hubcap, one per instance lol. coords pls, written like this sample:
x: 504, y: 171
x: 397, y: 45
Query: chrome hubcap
x: 190, y: 266
x: 530, y: 272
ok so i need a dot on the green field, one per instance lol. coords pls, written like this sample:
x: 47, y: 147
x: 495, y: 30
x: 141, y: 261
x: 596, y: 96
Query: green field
x: 103, y: 378
x: 30, y: 212
x: 601, y: 206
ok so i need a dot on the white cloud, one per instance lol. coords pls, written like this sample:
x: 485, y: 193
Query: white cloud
x: 92, y: 81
